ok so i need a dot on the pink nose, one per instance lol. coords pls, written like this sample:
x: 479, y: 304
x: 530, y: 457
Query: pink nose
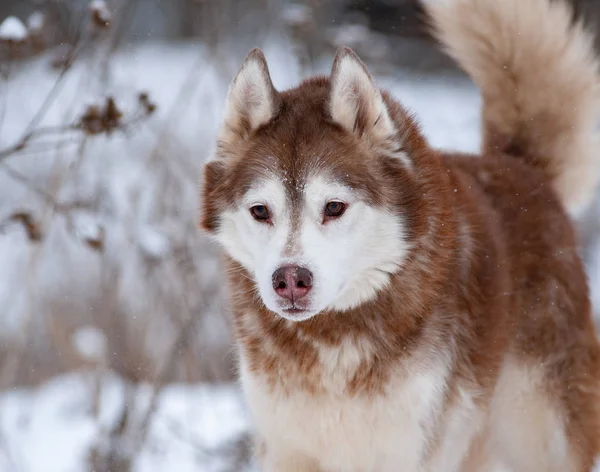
x: 292, y: 282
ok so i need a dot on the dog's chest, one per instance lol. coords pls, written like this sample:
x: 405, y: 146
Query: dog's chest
x: 360, y: 432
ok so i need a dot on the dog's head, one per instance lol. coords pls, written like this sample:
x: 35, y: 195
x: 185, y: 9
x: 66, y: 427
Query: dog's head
x: 313, y: 190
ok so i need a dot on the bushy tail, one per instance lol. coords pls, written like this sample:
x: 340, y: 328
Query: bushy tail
x: 538, y: 75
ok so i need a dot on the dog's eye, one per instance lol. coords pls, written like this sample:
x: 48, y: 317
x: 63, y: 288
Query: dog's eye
x: 260, y: 212
x: 334, y: 210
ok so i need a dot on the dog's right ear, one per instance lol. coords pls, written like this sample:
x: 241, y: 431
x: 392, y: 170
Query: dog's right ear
x: 251, y: 100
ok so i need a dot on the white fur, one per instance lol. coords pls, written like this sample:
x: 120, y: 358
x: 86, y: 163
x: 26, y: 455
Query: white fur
x: 526, y: 432
x: 461, y: 424
x: 351, y: 258
x: 384, y: 433
x: 253, y: 244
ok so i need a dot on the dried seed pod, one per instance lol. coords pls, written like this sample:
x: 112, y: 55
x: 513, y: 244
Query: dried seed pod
x: 149, y: 106
x: 100, y: 14
x: 31, y: 226
x: 91, y: 121
x: 96, y: 241
x: 112, y: 115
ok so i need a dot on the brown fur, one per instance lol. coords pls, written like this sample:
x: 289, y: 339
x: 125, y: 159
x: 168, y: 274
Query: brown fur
x: 493, y: 271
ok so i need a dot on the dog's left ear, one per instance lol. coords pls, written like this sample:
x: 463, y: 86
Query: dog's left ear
x: 251, y: 100
x: 355, y: 102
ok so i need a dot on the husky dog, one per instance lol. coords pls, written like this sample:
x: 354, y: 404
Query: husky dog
x: 399, y: 308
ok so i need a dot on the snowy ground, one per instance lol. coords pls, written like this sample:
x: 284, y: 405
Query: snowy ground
x: 54, y: 427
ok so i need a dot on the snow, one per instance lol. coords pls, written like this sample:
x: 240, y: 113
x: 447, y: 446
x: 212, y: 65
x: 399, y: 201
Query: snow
x: 100, y: 9
x: 36, y: 21
x: 87, y: 227
x: 296, y: 14
x: 90, y: 343
x: 351, y: 35
x: 98, y: 5
x: 59, y: 425
x: 153, y: 242
x: 13, y: 29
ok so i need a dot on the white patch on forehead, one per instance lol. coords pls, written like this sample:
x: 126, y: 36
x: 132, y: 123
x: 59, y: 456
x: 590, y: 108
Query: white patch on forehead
x: 320, y: 190
x: 268, y: 192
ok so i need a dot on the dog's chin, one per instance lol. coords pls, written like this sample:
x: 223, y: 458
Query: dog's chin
x: 295, y: 314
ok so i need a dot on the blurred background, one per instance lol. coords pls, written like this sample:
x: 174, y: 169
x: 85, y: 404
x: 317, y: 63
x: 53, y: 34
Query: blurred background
x: 115, y: 352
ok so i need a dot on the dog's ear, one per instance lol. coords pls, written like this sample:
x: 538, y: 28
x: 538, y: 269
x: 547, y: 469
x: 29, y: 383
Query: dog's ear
x: 251, y: 100
x: 355, y: 102
x: 211, y: 195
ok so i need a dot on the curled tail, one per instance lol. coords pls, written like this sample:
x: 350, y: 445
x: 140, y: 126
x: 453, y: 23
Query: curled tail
x: 538, y: 74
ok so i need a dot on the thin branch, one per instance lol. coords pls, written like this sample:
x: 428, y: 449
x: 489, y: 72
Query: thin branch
x: 165, y: 373
x: 54, y: 91
x: 35, y: 134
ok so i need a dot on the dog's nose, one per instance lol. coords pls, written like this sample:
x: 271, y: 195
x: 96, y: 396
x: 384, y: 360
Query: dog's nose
x: 292, y: 282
